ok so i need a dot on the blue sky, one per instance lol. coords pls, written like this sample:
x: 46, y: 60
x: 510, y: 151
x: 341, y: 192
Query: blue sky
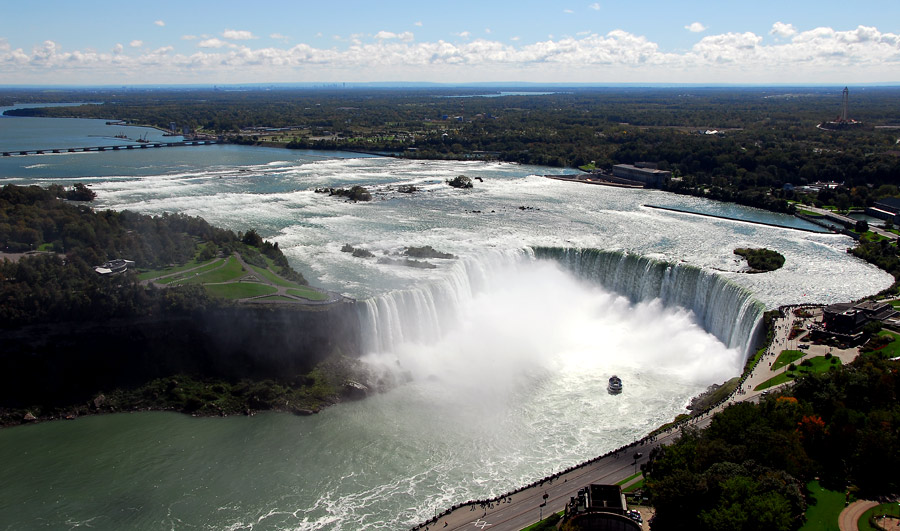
x: 88, y: 42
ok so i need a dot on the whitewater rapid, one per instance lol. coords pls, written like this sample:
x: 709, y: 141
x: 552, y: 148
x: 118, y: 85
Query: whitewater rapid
x: 501, y: 353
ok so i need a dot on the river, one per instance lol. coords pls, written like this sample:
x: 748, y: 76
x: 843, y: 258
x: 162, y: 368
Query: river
x: 508, y: 352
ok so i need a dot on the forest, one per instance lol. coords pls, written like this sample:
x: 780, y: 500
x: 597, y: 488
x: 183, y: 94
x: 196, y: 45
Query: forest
x: 750, y: 468
x: 60, y: 283
x: 741, y: 144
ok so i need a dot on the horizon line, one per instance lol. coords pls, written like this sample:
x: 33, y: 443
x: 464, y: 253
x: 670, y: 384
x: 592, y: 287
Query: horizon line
x: 434, y: 84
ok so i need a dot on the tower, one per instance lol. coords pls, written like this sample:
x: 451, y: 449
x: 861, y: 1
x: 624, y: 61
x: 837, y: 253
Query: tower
x: 845, y: 102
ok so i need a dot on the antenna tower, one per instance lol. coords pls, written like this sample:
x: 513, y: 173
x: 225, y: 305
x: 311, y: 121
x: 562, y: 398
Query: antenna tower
x: 845, y: 102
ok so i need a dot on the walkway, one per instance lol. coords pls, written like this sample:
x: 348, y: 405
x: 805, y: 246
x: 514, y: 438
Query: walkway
x: 850, y: 515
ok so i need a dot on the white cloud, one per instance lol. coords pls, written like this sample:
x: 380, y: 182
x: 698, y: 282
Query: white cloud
x: 136, y: 43
x: 189, y: 37
x: 280, y: 37
x: 515, y: 39
x: 780, y: 29
x: 212, y: 43
x: 406, y: 36
x: 159, y: 23
x: 238, y: 35
x: 817, y: 55
x: 463, y: 34
x: 595, y: 6
x: 487, y: 30
x: 418, y: 23
x: 695, y: 27
x: 583, y: 33
x: 568, y: 11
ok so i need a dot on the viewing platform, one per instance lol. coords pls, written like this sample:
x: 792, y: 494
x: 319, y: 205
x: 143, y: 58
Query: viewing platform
x: 119, y: 147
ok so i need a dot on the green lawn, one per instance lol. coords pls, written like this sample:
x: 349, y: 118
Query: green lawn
x: 187, y: 275
x: 273, y: 278
x: 891, y: 350
x: 823, y: 516
x: 156, y: 273
x: 232, y: 270
x: 819, y: 364
x: 240, y: 290
x: 629, y: 478
x: 308, y: 294
x: 634, y: 486
x: 871, y: 236
x: 786, y: 358
x: 884, y: 508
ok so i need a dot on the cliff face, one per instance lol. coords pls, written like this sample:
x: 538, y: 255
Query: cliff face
x: 65, y: 362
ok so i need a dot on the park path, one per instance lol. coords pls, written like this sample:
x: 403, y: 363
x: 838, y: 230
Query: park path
x: 851, y: 514
x: 281, y: 290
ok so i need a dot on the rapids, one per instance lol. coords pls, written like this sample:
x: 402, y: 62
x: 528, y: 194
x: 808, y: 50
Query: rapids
x: 501, y: 354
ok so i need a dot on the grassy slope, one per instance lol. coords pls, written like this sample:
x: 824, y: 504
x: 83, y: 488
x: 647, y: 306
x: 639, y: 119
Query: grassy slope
x: 819, y: 364
x: 823, y: 516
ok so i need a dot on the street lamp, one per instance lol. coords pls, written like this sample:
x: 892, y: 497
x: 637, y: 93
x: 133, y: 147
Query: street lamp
x: 637, y: 456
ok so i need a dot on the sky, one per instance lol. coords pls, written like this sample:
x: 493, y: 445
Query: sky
x: 87, y: 42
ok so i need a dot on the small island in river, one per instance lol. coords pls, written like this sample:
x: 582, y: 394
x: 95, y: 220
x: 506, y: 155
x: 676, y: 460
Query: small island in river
x: 761, y: 260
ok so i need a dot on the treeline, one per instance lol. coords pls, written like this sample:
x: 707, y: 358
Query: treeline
x: 61, y: 284
x: 749, y: 468
x: 767, y: 137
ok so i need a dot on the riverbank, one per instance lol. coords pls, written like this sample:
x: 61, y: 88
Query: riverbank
x: 332, y: 381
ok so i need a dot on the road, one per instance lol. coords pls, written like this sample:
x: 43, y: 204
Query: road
x: 847, y: 220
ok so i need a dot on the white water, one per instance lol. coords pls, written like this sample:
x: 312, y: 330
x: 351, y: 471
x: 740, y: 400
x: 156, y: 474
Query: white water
x: 506, y: 355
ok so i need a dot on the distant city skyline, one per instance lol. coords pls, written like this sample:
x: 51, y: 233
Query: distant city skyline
x: 88, y: 42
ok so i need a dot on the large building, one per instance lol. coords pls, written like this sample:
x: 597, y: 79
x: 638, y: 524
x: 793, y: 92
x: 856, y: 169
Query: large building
x: 642, y: 172
x: 600, y: 508
x: 887, y: 209
x: 851, y: 318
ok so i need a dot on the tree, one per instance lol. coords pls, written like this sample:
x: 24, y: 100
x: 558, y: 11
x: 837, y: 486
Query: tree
x: 252, y: 238
x: 862, y: 226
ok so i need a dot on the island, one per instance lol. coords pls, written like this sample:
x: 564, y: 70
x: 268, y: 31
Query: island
x: 761, y: 260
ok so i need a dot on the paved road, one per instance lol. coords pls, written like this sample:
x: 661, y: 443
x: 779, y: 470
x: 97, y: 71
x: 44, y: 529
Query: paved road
x: 850, y: 515
x: 848, y: 220
x: 523, y: 508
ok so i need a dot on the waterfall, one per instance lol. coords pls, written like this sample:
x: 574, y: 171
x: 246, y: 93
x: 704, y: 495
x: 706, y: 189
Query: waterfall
x: 720, y: 306
x: 421, y: 314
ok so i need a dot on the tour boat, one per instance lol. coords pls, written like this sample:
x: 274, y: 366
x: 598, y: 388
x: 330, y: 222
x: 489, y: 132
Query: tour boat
x: 615, y: 385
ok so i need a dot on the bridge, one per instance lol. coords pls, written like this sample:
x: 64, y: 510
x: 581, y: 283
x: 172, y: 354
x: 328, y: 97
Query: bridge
x: 119, y: 147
